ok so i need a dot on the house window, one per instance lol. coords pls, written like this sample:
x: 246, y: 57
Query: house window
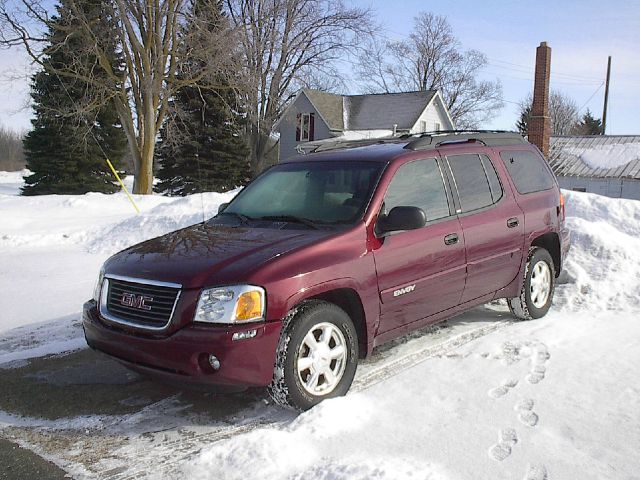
x: 305, y: 127
x: 423, y: 126
x: 579, y: 189
x: 436, y: 126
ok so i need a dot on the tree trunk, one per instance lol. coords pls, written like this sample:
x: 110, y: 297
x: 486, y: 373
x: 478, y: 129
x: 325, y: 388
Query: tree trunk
x: 258, y: 149
x: 144, y: 180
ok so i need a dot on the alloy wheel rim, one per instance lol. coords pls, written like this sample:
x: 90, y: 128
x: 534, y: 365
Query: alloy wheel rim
x: 540, y: 284
x: 321, y: 359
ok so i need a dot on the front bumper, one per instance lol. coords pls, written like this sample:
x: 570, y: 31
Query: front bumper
x: 182, y: 357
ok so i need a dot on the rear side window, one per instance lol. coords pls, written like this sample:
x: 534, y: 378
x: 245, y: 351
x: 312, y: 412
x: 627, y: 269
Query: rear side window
x: 470, y: 175
x: 528, y: 171
x: 419, y: 184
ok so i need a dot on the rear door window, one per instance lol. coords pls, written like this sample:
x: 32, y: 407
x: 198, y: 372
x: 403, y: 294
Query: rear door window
x: 470, y: 179
x: 528, y: 171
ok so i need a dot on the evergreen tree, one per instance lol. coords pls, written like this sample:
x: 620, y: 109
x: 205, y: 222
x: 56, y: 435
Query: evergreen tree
x: 522, y: 125
x: 201, y: 146
x: 61, y: 150
x: 589, y: 125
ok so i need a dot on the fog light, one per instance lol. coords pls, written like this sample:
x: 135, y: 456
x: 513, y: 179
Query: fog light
x: 244, y: 335
x: 214, y: 362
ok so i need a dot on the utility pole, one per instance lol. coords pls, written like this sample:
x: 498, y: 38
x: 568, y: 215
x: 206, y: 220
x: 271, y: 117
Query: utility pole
x: 606, y: 97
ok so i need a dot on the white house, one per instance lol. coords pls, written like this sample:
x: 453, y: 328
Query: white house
x: 314, y: 115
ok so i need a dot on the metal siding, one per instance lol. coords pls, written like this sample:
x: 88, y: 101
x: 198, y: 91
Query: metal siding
x: 631, y: 189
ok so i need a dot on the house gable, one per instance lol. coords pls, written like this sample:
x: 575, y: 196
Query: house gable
x: 433, y: 117
x: 288, y: 125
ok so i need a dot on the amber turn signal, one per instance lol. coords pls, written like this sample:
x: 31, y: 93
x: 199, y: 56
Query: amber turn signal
x: 249, y: 306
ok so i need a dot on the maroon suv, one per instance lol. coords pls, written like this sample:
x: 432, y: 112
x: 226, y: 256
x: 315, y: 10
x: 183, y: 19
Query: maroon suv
x: 322, y: 258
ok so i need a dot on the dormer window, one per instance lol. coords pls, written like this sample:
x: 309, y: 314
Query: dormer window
x: 304, y: 128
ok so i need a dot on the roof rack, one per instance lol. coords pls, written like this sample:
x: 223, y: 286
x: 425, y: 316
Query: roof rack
x: 340, y: 144
x: 440, y: 138
x: 419, y: 141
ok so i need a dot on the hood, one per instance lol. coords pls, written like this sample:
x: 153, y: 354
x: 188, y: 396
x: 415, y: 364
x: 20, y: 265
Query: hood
x: 205, y: 254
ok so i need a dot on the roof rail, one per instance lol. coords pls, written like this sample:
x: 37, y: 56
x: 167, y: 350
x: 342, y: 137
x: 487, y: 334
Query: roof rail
x: 445, y: 137
x: 418, y: 141
x: 339, y: 144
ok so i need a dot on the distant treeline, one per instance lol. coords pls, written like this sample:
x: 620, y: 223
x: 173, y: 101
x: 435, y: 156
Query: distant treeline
x: 11, y: 154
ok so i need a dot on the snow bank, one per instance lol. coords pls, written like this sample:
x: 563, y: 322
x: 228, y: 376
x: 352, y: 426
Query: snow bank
x: 96, y: 222
x: 310, y: 447
x: 10, y: 182
x: 611, y: 156
x: 603, y: 265
x: 54, y: 244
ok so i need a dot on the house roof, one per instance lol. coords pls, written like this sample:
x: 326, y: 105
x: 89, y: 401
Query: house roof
x: 370, y: 112
x: 329, y: 106
x: 602, y: 156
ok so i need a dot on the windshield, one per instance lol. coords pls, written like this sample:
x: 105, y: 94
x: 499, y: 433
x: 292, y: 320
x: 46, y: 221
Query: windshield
x: 319, y: 192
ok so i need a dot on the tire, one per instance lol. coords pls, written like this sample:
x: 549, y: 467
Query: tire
x: 316, y: 328
x: 538, y: 286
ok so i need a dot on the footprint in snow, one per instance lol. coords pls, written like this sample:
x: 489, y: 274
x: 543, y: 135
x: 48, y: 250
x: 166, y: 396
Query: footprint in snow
x: 539, y: 369
x: 503, y: 389
x: 526, y: 415
x: 536, y: 472
x: 507, y: 438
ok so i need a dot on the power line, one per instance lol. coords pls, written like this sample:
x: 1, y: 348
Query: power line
x: 592, y: 95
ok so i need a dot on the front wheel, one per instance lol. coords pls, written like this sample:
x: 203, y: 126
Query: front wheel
x: 317, y: 356
x: 538, y: 286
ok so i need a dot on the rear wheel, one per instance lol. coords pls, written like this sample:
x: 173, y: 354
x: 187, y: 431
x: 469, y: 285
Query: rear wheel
x: 538, y: 286
x: 317, y: 356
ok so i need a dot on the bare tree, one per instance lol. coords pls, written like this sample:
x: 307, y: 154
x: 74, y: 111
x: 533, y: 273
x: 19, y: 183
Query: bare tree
x: 563, y: 112
x: 432, y: 58
x: 285, y: 44
x: 150, y: 35
x: 11, y: 154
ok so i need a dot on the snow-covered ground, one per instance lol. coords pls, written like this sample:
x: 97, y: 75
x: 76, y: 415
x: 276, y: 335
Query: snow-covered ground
x: 483, y: 398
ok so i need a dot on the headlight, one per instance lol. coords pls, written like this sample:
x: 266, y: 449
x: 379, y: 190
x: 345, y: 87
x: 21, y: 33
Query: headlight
x: 233, y: 304
x: 98, y: 286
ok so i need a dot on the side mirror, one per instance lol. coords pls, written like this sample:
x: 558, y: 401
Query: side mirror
x: 402, y: 218
x: 222, y: 206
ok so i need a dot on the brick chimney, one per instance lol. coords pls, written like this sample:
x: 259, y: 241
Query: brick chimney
x: 540, y: 123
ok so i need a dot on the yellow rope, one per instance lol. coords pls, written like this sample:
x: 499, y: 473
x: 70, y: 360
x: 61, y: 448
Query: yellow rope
x: 123, y: 187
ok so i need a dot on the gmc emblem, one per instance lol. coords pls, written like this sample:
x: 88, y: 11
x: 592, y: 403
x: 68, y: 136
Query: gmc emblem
x: 136, y: 301
x: 403, y: 291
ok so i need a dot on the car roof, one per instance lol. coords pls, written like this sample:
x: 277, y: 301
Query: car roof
x: 384, y: 150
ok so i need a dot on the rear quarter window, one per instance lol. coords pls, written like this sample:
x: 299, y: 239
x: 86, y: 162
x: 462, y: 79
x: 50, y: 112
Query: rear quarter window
x: 528, y: 171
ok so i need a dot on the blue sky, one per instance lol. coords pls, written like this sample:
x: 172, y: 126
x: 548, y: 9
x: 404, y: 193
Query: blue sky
x: 581, y: 34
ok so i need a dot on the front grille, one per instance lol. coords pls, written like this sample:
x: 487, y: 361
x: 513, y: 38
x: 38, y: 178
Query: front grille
x: 141, y: 304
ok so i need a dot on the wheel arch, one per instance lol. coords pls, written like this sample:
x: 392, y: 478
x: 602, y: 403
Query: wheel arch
x: 550, y: 241
x: 349, y: 301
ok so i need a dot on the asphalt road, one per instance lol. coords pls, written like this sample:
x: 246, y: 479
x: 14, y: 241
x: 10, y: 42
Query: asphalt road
x: 19, y: 464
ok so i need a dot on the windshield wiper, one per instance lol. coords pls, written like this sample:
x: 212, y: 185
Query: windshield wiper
x: 243, y: 218
x: 290, y: 219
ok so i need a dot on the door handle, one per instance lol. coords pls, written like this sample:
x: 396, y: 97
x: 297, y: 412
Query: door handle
x: 451, y: 239
x: 513, y: 222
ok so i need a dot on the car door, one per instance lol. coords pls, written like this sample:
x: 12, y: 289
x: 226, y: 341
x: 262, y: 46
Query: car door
x: 420, y: 272
x: 492, y: 224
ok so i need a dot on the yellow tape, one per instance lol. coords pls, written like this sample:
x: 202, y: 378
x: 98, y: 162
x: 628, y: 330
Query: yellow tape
x: 123, y: 187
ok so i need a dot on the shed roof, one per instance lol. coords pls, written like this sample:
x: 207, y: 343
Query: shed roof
x: 602, y: 156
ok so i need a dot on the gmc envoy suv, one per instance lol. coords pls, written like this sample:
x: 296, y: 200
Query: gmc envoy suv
x: 323, y: 257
